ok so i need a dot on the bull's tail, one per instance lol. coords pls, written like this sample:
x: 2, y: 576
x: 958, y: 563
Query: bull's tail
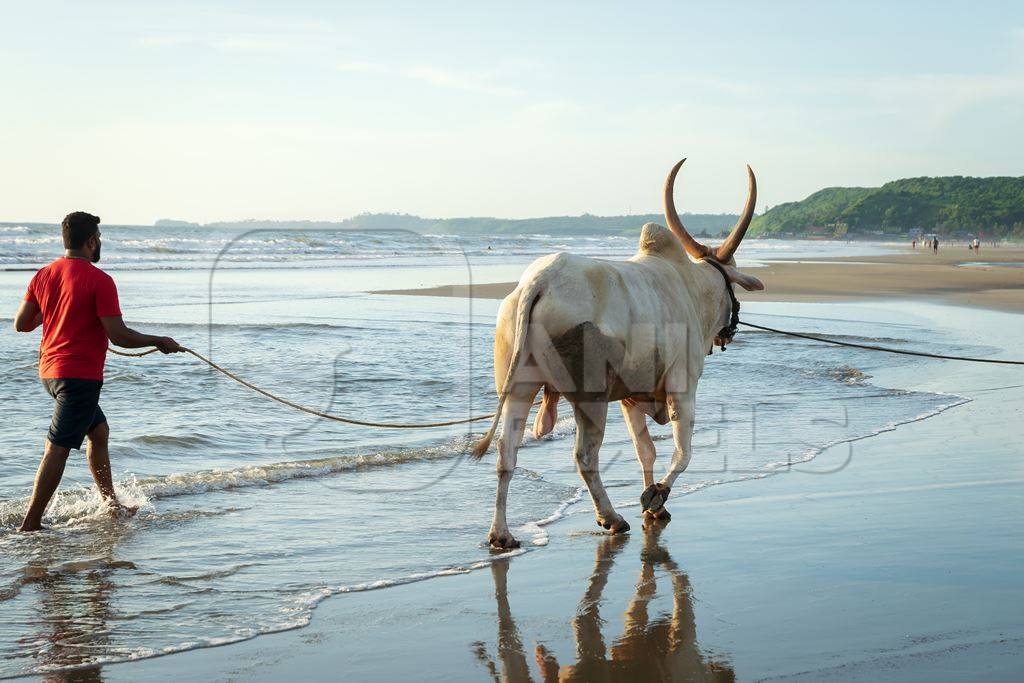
x: 525, y: 308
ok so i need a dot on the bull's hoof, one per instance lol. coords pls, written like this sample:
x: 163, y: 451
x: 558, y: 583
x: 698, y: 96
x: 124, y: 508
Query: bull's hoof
x: 615, y: 524
x: 653, y: 499
x: 661, y: 515
x: 502, y: 541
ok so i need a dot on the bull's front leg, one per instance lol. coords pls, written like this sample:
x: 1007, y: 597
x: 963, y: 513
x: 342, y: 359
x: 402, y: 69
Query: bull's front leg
x: 636, y: 422
x: 590, y: 422
x: 681, y: 408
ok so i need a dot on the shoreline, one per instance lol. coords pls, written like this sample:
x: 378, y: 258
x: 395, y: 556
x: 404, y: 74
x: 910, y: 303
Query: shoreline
x: 882, y: 559
x: 910, y: 276
x: 803, y: 535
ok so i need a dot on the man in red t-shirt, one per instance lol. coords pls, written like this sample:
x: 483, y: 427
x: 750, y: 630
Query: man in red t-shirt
x: 76, y: 303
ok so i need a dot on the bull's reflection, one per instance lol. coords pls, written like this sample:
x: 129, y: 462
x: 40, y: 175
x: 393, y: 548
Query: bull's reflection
x: 662, y: 647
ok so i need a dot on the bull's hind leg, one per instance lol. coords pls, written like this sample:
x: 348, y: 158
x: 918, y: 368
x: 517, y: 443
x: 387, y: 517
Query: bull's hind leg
x: 590, y: 423
x: 517, y: 409
x: 681, y: 412
x: 636, y: 422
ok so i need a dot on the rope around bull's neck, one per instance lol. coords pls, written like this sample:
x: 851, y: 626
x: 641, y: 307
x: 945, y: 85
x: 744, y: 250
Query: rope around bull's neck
x: 477, y: 418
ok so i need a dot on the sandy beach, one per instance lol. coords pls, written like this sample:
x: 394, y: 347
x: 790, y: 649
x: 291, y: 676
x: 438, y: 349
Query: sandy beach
x: 916, y: 275
x: 889, y: 558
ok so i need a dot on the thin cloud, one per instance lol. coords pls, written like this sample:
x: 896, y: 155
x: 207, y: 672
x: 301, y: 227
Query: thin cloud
x: 936, y: 98
x: 247, y: 43
x: 719, y: 85
x: 357, y: 67
x: 446, y: 78
x: 435, y: 76
x: 233, y: 32
x: 554, y: 109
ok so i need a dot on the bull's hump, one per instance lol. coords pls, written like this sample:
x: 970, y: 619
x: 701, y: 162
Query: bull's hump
x: 657, y: 239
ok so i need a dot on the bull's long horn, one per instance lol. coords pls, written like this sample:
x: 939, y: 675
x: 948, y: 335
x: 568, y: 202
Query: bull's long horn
x: 732, y: 242
x: 695, y: 249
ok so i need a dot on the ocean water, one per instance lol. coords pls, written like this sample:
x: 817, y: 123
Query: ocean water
x: 251, y: 513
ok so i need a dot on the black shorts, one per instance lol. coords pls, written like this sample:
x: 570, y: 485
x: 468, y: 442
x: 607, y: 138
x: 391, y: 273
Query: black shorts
x: 77, y: 411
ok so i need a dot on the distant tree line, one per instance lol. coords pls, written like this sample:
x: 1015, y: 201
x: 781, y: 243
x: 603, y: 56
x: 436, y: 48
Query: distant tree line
x: 946, y: 205
x: 697, y: 223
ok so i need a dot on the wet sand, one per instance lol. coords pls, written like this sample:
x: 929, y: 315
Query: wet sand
x: 893, y: 558
x: 910, y: 276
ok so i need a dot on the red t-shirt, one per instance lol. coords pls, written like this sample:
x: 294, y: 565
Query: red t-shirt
x: 73, y: 295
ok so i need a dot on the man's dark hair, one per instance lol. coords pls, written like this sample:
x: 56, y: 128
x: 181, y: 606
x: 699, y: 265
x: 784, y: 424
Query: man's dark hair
x: 77, y: 228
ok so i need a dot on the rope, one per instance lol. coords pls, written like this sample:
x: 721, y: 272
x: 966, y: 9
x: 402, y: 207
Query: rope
x: 478, y: 418
x: 291, y: 404
x: 130, y: 355
x: 887, y: 349
x: 726, y: 334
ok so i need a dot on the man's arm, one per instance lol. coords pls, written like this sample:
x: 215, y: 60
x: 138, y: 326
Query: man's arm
x: 122, y: 335
x: 29, y: 317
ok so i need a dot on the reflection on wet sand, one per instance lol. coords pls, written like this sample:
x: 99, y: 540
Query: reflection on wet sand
x: 73, y: 619
x: 71, y: 624
x: 90, y: 674
x: 662, y: 648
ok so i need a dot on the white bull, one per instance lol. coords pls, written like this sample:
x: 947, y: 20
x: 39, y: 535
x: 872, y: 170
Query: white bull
x: 600, y: 331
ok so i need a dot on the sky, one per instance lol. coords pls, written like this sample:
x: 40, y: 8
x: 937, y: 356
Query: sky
x: 212, y: 111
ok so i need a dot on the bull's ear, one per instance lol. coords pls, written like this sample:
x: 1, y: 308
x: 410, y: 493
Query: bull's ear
x: 747, y: 282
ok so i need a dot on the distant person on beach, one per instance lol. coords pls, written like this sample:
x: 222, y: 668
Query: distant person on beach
x: 976, y: 244
x: 935, y: 245
x: 913, y: 243
x: 76, y: 303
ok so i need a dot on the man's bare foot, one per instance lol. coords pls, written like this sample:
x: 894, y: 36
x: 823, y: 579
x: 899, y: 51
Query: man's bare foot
x: 29, y: 529
x: 119, y: 511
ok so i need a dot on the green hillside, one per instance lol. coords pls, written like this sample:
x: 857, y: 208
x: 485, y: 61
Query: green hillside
x: 947, y: 205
